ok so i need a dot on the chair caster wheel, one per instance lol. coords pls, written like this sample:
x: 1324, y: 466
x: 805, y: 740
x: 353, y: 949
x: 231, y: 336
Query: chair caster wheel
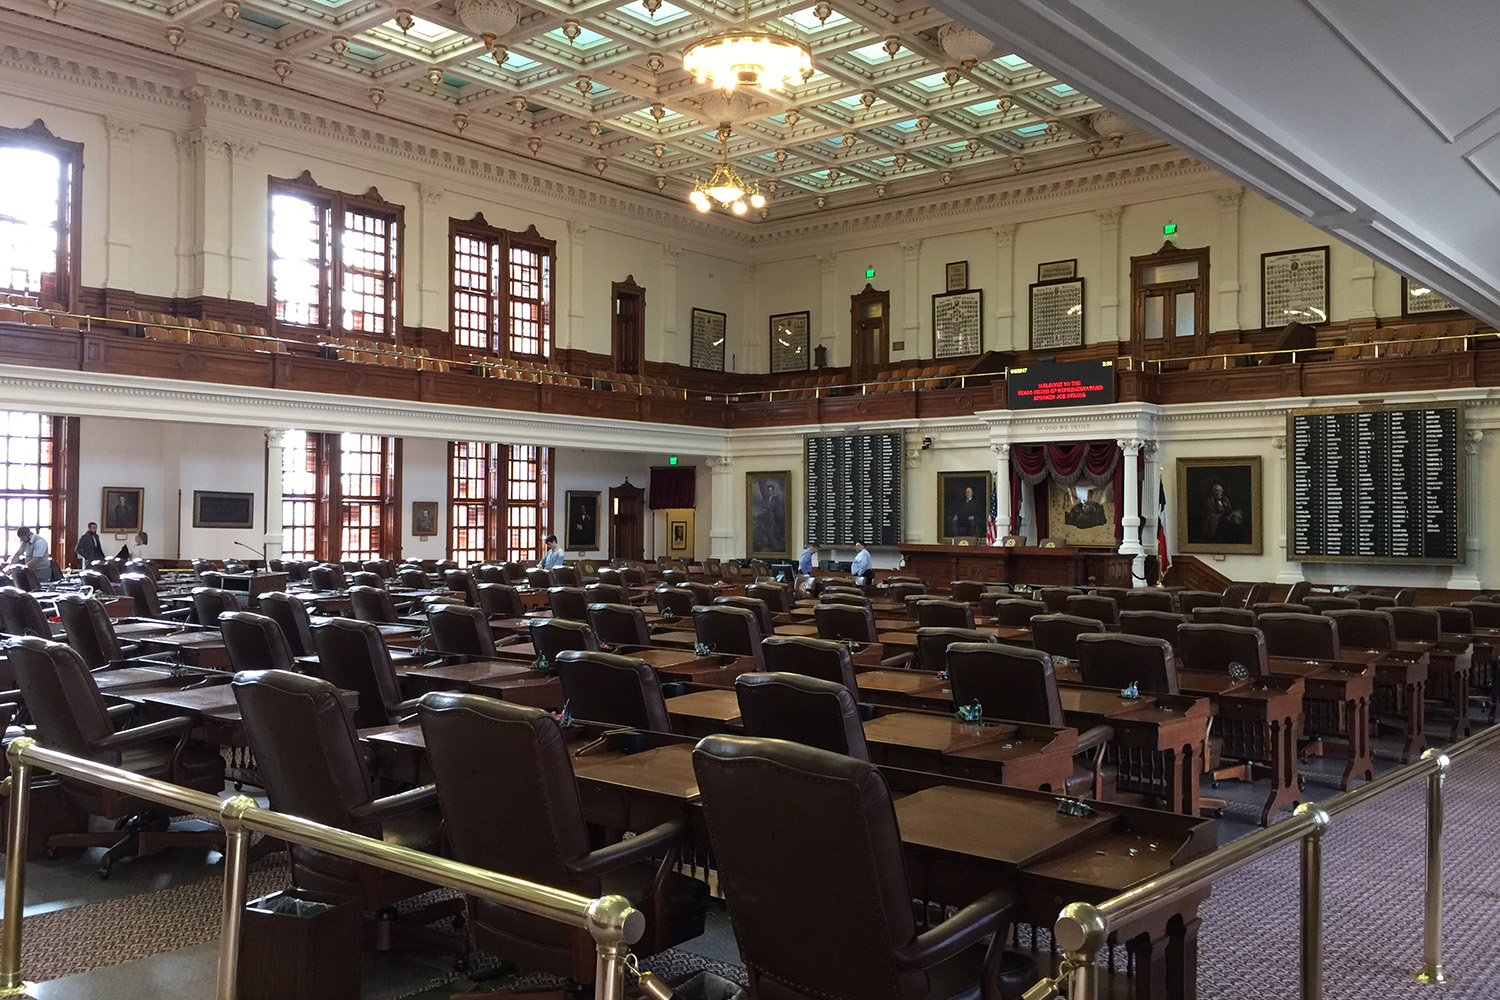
x: 51, y: 854
x: 103, y: 873
x: 1302, y: 760
x: 1301, y: 783
x: 1213, y: 784
x: 1219, y: 813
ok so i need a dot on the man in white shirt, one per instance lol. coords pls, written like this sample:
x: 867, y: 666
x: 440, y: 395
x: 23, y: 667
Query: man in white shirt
x: 33, y: 552
x: 861, y: 565
x: 553, y: 557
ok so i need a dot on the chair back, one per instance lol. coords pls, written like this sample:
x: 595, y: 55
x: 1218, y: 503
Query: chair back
x: 676, y: 600
x: 1117, y: 661
x: 966, y: 591
x: 233, y: 565
x: 1009, y: 682
x: 413, y: 579
x: 1456, y: 620
x: 1373, y: 602
x: 100, y: 583
x: 1321, y: 604
x: 794, y: 908
x: 537, y: 578
x: 88, y: 628
x: 326, y: 576
x: 901, y: 591
x: 1215, y: 615
x: 762, y: 611
x: 23, y: 577
x: 1298, y: 591
x: 501, y: 600
x: 1102, y: 609
x: 461, y: 583
x: 802, y: 709
x: 932, y: 613
x: 1158, y: 624
x: 21, y: 613
x: 1373, y: 629
x: 353, y: 656
x: 366, y: 578
x: 613, y: 690
x: 778, y: 596
x: 1215, y: 647
x: 1058, y: 635
x: 800, y: 654
x: 727, y: 629
x: 1056, y: 598
x: 842, y: 621
x: 551, y: 636
x: 291, y: 614
x: 619, y: 624
x: 372, y: 604
x: 933, y: 643
x: 513, y: 572
x: 62, y: 699
x: 383, y: 568
x: 1486, y: 614
x: 488, y: 573
x: 442, y: 566
x: 1307, y: 637
x: 1148, y: 599
x: 611, y: 576
x: 848, y: 600
x: 1189, y: 601
x: 568, y: 602
x: 109, y: 567
x: 606, y: 593
x: 460, y: 630
x: 1016, y: 612
x: 255, y: 642
x: 141, y: 590
x: 675, y: 577
x: 211, y: 602
x: 564, y: 576
x: 1279, y: 608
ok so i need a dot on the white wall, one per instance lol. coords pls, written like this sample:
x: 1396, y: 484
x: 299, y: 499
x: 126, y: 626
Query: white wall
x: 424, y: 477
x: 587, y: 470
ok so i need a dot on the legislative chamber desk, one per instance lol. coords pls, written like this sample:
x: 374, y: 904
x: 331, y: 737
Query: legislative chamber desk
x: 963, y: 838
x: 1058, y: 567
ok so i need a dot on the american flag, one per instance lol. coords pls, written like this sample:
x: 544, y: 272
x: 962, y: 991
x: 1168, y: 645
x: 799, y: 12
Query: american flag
x: 990, y: 531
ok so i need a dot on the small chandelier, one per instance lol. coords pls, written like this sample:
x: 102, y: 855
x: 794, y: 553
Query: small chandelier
x: 749, y: 56
x: 726, y: 186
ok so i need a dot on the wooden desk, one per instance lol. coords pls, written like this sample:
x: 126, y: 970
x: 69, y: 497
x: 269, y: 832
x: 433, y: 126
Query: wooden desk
x: 1060, y: 567
x: 194, y: 648
x: 1159, y: 741
x: 252, y: 585
x: 1335, y: 709
x: 1259, y: 721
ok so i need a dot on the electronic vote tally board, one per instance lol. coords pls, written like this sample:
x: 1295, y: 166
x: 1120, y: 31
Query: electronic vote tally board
x: 1376, y: 484
x: 854, y: 489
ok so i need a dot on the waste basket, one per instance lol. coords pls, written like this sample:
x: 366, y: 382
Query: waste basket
x: 297, y: 943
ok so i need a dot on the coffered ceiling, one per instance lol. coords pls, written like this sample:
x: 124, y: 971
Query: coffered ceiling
x: 598, y: 86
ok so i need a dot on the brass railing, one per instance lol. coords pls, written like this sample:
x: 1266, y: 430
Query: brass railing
x: 1391, y: 347
x: 1083, y: 929
x: 610, y: 920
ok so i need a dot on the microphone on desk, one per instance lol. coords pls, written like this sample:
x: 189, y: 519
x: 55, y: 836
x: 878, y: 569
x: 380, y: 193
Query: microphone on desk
x: 260, y: 551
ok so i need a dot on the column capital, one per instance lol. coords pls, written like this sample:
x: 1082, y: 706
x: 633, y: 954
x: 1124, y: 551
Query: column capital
x: 1109, y: 217
x: 1472, y: 437
x: 1279, y: 442
x: 243, y: 149
x: 827, y: 261
x: 1131, y: 446
x: 1005, y: 235
x: 1229, y: 199
x: 119, y: 130
x: 577, y: 230
x: 719, y: 464
x: 275, y: 437
x: 911, y: 249
x: 670, y: 255
x: 431, y: 193
x: 1002, y: 449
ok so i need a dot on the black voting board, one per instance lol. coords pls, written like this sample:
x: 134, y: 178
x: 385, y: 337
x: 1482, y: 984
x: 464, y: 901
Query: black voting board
x: 1376, y: 484
x: 854, y: 489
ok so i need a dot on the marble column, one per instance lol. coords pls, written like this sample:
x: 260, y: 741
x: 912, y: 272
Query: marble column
x: 1150, y: 496
x: 828, y: 322
x: 911, y: 294
x: 1466, y: 576
x: 1110, y: 266
x: 1002, y: 491
x: 1130, y: 520
x: 433, y: 278
x: 671, y: 349
x: 1004, y: 336
x: 577, y: 283
x: 275, y: 440
x: 207, y: 166
x: 1227, y: 261
x: 247, y: 223
x: 724, y: 540
x: 120, y: 202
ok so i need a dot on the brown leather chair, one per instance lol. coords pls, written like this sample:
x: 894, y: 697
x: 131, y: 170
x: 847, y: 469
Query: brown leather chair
x: 291, y: 614
x: 763, y: 615
x: 564, y: 576
x: 1102, y: 609
x: 23, y: 577
x: 674, y: 602
x: 1057, y: 635
x: 255, y: 642
x: 1321, y: 604
x: 313, y: 766
x: 501, y: 600
x: 233, y: 565
x: 901, y: 591
x: 1147, y: 599
x: 201, y: 566
x: 1056, y: 598
x: 611, y: 576
x: 1116, y: 594
x: 1455, y: 619
x: 551, y: 636
x: 1216, y: 615
x: 109, y: 567
x: 990, y: 598
x: 702, y: 593
x: 1280, y: 608
x: 966, y: 591
x: 1189, y: 601
x: 366, y: 578
x: 933, y: 643
x: 802, y: 709
x: 1159, y: 624
x: 1373, y: 602
x: 1486, y: 614
x: 568, y: 602
x: 1298, y: 592
x: 619, y: 624
x: 1215, y: 647
x: 1016, y: 612
x: 383, y: 568
x: 96, y: 580
x: 932, y: 613
x: 606, y: 593
x: 848, y: 600
x: 353, y: 656
x: 326, y: 577
x: 674, y: 577
x: 727, y: 629
x: 70, y: 716
x: 505, y: 778
x: 778, y: 596
x: 1372, y: 629
x: 1117, y: 661
x: 1018, y: 684
x: 141, y: 590
x: 838, y: 621
x: 211, y: 602
x: 373, y: 604
x: 799, y: 654
x: 442, y: 566
x: 614, y: 690
x: 21, y: 613
x: 462, y: 583
x: 1307, y: 637
x: 413, y: 579
x: 513, y: 573
x: 89, y: 631
x: 488, y: 573
x: 813, y: 925
x: 460, y: 630
x: 538, y: 578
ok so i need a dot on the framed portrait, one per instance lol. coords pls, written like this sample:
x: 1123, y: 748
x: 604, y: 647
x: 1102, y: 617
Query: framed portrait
x: 1294, y: 287
x: 1218, y: 505
x: 956, y: 276
x: 582, y: 525
x: 706, y: 349
x: 957, y: 324
x: 213, y: 509
x: 789, y: 342
x: 1057, y: 270
x: 963, y: 506
x: 424, y: 515
x: 677, y: 536
x: 1056, y: 314
x: 1081, y: 515
x: 1417, y: 299
x: 122, y: 508
x: 767, y: 524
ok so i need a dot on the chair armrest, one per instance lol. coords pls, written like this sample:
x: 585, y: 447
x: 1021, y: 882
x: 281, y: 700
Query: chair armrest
x: 1092, y: 739
x: 509, y: 640
x: 175, y: 614
x: 147, y: 733
x: 124, y: 710
x: 380, y: 810
x: 626, y: 852
x: 987, y: 914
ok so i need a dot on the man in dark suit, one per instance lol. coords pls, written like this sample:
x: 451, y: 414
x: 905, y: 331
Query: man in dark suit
x: 89, y: 547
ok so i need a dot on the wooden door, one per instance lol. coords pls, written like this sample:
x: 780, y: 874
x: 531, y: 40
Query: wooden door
x: 627, y: 521
x: 1169, y: 290
x: 870, y: 331
x: 628, y: 322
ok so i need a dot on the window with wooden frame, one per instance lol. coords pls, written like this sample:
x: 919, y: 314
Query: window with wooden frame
x: 503, y: 289
x: 1169, y: 291
x: 39, y: 213
x: 33, y: 480
x: 335, y: 260
x: 340, y: 496
x: 300, y: 505
x: 499, y: 500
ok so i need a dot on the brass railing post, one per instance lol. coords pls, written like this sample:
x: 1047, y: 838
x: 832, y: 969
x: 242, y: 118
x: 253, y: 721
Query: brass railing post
x: 231, y: 918
x: 1312, y: 902
x: 614, y: 925
x: 19, y: 784
x: 1081, y: 930
x: 1431, y: 971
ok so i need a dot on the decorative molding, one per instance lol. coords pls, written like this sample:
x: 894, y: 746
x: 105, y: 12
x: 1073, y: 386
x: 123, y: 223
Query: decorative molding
x: 1005, y: 235
x: 1109, y: 218
x: 119, y: 131
x: 577, y: 230
x: 1229, y: 200
x: 431, y: 193
x: 670, y: 255
x: 827, y: 262
x: 911, y: 249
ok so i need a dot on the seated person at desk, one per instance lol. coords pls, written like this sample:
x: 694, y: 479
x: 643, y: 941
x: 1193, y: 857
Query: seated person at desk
x: 808, y: 561
x: 32, y: 552
x: 553, y: 557
x: 860, y: 567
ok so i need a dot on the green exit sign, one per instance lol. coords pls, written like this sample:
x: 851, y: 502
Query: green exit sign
x: 1170, y: 229
x: 672, y: 460
x: 869, y: 273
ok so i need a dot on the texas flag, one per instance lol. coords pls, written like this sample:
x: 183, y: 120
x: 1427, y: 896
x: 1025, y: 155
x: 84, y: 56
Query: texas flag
x: 1162, y: 555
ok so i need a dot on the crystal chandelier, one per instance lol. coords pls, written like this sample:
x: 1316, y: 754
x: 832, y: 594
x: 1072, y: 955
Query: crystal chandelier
x: 726, y: 186
x: 749, y: 56
x: 489, y: 19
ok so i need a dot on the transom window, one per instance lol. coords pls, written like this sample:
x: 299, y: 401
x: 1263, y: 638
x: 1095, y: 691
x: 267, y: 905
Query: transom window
x: 39, y: 213
x: 499, y: 500
x: 502, y: 283
x: 335, y: 260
